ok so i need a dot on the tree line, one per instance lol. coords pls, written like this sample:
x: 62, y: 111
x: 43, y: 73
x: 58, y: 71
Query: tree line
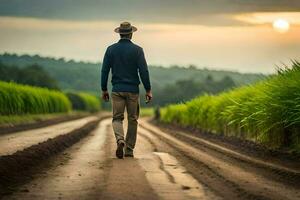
x: 33, y: 75
x: 180, y: 91
x: 184, y: 90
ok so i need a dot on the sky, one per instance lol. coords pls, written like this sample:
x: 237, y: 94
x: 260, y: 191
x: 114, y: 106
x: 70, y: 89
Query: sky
x: 216, y: 34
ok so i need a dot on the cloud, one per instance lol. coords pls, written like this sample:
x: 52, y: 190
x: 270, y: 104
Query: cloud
x: 212, y: 12
x: 269, y: 17
x: 251, y: 48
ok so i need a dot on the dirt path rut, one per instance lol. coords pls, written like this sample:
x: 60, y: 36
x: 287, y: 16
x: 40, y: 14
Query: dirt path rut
x: 164, y: 167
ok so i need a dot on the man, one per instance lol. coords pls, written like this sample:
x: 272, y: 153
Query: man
x: 126, y: 61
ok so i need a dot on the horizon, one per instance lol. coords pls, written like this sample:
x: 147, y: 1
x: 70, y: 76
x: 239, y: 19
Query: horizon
x: 151, y: 65
x: 222, y: 35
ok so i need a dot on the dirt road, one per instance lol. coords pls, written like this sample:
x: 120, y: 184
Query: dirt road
x: 166, y: 166
x: 13, y: 142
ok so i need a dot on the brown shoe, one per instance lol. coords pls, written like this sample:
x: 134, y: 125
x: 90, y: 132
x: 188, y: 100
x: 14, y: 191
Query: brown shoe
x: 120, y: 150
x: 129, y: 152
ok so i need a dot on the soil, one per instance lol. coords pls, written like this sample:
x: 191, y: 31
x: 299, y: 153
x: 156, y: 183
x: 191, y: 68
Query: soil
x: 4, y: 129
x: 227, y: 176
x: 169, y: 163
x: 279, y: 156
x: 14, y: 168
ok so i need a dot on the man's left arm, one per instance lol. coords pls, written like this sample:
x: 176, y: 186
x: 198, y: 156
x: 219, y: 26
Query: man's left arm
x: 144, y: 74
x: 143, y: 71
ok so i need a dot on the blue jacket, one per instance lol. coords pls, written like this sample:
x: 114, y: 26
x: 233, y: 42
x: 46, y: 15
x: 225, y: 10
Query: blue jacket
x: 126, y: 60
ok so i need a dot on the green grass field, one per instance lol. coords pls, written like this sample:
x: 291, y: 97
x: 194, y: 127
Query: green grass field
x: 92, y: 104
x: 267, y: 112
x: 16, y: 99
x: 147, y: 112
x: 20, y: 104
x: 84, y: 101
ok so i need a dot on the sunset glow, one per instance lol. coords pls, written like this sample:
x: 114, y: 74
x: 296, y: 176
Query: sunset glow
x: 261, y: 18
x: 281, y: 25
x: 190, y: 44
x: 246, y: 42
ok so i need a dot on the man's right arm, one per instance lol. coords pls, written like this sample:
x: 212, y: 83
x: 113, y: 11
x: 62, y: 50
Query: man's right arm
x: 106, y: 65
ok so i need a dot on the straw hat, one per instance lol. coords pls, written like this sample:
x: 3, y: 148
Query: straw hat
x: 125, y: 28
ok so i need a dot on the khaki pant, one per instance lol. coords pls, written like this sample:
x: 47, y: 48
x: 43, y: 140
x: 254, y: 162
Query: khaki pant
x: 130, y: 101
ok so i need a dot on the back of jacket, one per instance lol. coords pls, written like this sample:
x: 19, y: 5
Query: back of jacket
x: 126, y: 61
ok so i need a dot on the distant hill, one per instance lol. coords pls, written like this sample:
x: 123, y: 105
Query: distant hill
x: 33, y: 75
x: 86, y: 76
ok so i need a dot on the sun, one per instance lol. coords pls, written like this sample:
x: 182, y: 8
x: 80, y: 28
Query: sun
x: 281, y: 25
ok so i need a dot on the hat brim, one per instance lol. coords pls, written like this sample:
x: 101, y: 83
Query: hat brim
x: 133, y: 29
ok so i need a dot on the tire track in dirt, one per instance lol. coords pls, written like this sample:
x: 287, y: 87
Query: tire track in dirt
x: 11, y: 143
x: 6, y: 129
x: 150, y: 175
x: 77, y: 173
x: 246, y: 184
x: 18, y: 168
x: 271, y: 171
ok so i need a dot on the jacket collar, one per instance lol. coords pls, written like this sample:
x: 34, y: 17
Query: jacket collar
x: 125, y: 40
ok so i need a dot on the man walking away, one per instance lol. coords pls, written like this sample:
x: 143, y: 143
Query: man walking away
x: 127, y: 62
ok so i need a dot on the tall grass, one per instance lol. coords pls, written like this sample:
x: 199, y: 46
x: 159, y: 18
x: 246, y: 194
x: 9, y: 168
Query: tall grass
x: 18, y: 99
x: 84, y: 101
x: 267, y: 112
x: 147, y: 112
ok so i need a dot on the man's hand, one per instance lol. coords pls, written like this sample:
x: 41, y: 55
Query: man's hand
x: 105, y: 96
x: 148, y: 96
